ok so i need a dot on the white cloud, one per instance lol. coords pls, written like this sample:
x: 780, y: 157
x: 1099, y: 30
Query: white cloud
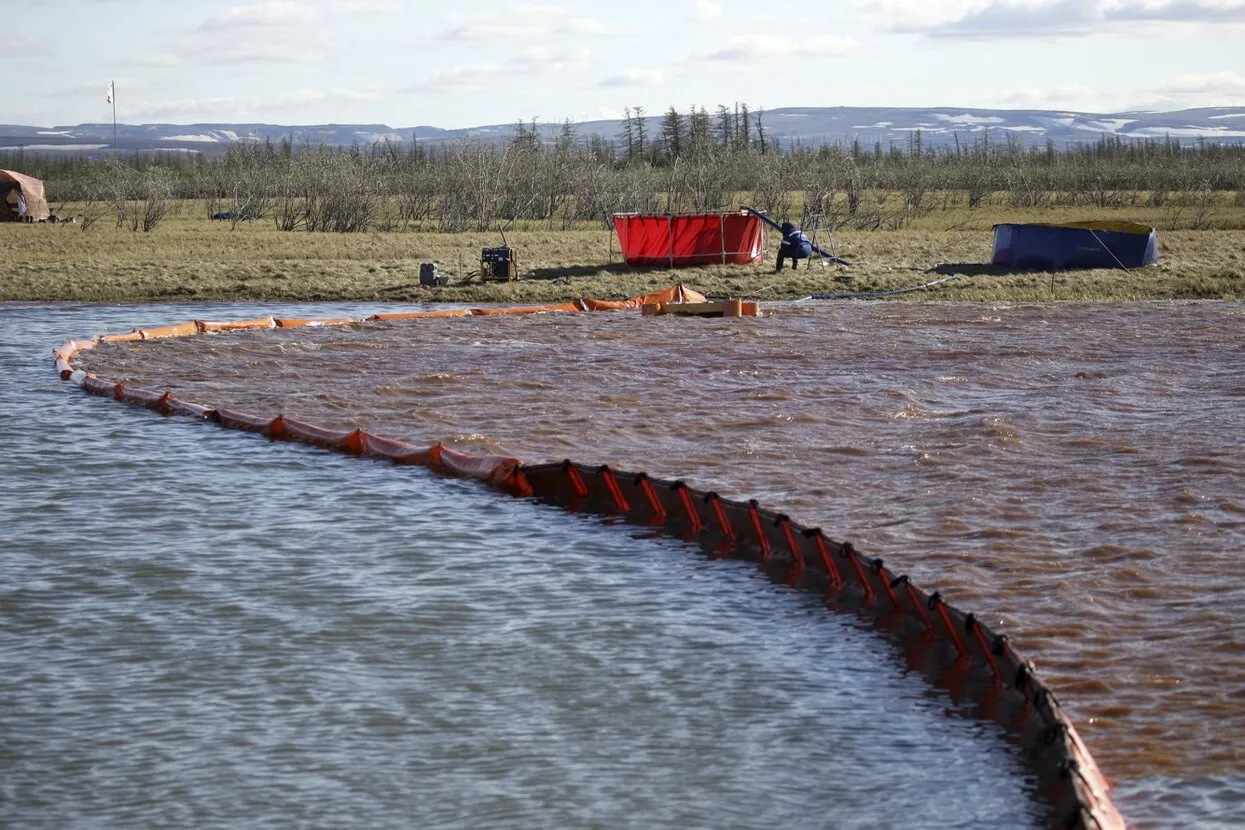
x: 485, y: 30
x: 335, y: 96
x: 218, y: 108
x: 1049, y: 18
x: 272, y: 32
x: 1210, y: 89
x: 274, y: 47
x: 226, y: 107
x: 635, y: 77
x: 537, y: 9
x: 1176, y: 11
x: 476, y: 77
x: 1224, y: 84
x: 353, y: 8
x: 1207, y: 89
x: 522, y: 21
x: 20, y: 46
x: 268, y: 14
x: 581, y: 26
x: 458, y: 79
x: 1066, y: 97
x: 706, y: 10
x: 754, y: 48
x: 918, y: 13
x: 95, y: 88
x: 538, y: 59
x: 157, y: 59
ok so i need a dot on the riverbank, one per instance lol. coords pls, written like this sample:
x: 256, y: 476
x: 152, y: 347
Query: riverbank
x: 189, y: 257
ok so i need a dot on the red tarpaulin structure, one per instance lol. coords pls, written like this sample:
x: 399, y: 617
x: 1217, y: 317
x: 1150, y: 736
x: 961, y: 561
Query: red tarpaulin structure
x: 681, y: 241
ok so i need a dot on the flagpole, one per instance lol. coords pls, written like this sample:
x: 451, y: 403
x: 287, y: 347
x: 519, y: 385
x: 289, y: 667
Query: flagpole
x: 112, y: 86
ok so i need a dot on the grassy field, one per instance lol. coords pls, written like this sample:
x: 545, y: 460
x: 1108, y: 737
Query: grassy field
x: 189, y: 257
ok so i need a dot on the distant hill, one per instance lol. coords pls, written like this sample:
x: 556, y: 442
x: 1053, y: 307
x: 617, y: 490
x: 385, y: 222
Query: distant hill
x: 808, y: 126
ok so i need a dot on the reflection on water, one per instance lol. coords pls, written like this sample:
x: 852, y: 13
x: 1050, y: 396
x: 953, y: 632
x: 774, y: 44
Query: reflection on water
x: 1074, y: 472
x: 198, y: 628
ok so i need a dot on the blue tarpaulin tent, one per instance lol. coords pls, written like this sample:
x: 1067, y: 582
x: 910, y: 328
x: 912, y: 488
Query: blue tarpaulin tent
x: 1075, y: 245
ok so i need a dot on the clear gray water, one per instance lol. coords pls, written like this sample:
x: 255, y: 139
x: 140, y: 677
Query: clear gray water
x: 199, y: 628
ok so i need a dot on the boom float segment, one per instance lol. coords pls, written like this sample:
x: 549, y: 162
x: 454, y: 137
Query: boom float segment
x: 954, y: 649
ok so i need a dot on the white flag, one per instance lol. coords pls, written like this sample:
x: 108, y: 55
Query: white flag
x: 109, y: 98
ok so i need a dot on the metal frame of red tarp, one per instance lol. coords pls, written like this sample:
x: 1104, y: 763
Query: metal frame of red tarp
x: 680, y: 241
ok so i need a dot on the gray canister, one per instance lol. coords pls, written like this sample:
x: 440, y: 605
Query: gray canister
x: 428, y: 275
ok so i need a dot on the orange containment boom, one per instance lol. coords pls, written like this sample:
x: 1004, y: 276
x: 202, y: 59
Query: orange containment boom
x: 954, y: 649
x: 726, y: 308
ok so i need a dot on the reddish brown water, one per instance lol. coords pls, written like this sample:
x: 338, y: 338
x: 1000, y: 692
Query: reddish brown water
x: 1073, y: 473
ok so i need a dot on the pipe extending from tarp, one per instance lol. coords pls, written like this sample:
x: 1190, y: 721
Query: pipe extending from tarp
x: 761, y: 215
x: 955, y: 650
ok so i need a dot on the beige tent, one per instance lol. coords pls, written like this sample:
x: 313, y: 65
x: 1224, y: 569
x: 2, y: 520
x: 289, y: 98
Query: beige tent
x: 21, y: 198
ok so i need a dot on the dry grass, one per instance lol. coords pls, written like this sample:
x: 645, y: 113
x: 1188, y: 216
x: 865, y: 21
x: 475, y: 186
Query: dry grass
x: 190, y: 257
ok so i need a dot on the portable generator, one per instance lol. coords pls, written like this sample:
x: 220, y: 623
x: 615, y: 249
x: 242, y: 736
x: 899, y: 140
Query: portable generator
x: 498, y: 264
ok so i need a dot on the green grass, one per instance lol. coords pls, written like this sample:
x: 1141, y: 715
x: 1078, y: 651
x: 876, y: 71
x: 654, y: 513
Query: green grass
x: 192, y: 258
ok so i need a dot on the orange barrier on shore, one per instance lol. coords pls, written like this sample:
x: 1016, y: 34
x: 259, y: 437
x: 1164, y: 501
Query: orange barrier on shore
x: 954, y: 649
x: 607, y: 305
x: 236, y: 325
x: 288, y: 429
x: 673, y: 294
x: 121, y: 338
x: 175, y: 330
x: 295, y: 322
x: 398, y: 452
x: 528, y: 309
x: 176, y: 406
x: 417, y: 315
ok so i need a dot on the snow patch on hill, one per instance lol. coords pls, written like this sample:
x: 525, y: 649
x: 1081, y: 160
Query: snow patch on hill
x: 1187, y: 132
x: 1111, y: 125
x: 968, y: 119
x: 71, y: 148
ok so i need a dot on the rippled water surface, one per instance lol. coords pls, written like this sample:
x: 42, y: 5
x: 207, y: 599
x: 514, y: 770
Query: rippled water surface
x: 202, y: 629
x: 1073, y: 472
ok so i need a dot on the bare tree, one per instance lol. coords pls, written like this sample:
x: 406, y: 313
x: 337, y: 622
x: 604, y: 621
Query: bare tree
x: 152, y: 190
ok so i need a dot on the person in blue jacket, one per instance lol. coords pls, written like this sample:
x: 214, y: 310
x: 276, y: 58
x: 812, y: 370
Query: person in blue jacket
x: 795, y: 246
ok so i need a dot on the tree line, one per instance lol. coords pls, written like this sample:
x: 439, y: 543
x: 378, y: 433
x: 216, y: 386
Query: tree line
x: 693, y: 163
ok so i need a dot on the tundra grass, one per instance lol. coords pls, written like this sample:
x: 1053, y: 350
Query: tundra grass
x: 189, y: 257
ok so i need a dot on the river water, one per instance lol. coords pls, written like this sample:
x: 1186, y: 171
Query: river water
x: 1072, y: 473
x: 199, y: 629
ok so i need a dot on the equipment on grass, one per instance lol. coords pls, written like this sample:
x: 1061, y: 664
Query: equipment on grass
x: 428, y: 275
x: 825, y: 257
x: 498, y: 264
x: 686, y: 240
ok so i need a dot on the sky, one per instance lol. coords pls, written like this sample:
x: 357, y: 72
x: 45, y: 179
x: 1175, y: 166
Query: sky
x: 455, y: 64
